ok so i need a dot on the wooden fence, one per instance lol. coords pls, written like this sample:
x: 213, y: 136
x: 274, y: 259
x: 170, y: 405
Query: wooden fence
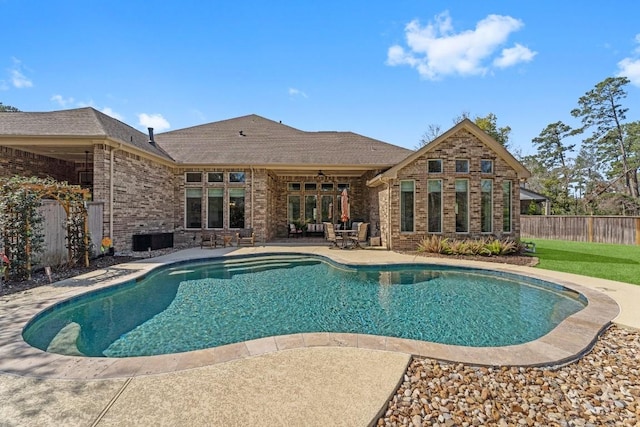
x: 623, y: 230
x: 55, y: 250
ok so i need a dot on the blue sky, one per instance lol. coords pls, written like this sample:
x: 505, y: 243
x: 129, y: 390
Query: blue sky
x: 386, y: 70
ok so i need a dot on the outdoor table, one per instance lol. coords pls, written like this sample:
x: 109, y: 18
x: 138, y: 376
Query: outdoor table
x: 226, y: 240
x: 345, y: 236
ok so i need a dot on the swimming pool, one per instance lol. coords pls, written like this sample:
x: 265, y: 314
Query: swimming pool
x: 201, y: 304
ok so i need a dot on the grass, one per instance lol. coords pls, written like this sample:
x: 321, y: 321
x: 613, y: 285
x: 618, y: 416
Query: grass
x: 606, y: 261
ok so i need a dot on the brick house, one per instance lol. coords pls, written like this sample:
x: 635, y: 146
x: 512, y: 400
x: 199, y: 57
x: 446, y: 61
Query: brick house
x: 251, y: 172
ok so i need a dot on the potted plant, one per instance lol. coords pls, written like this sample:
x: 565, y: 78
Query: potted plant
x: 106, y: 246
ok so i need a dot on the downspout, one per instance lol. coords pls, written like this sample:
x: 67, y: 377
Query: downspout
x: 111, y: 197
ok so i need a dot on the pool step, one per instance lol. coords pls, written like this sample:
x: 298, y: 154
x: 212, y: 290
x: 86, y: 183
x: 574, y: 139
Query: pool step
x: 252, y: 265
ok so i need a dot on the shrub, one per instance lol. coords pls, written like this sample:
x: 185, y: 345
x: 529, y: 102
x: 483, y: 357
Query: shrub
x: 435, y: 245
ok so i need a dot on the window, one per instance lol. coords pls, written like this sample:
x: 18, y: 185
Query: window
x: 486, y: 205
x: 506, y: 206
x: 294, y: 186
x: 462, y: 166
x: 327, y: 208
x: 342, y: 186
x: 462, y: 206
x: 310, y: 212
x: 215, y: 177
x: 215, y: 211
x: 236, y: 176
x: 327, y: 186
x: 194, y: 176
x: 406, y: 206
x: 236, y: 208
x: 486, y: 166
x: 293, y: 209
x: 193, y: 214
x: 434, y: 206
x: 434, y: 166
x: 310, y: 186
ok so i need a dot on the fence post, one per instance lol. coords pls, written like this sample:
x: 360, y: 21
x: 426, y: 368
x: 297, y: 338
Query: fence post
x: 637, y: 231
x: 590, y: 229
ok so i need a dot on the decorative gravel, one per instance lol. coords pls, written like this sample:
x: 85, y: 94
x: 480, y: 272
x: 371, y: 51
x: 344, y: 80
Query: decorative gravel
x: 601, y: 389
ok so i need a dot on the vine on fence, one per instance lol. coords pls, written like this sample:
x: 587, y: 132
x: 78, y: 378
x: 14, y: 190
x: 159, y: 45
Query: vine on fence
x: 21, y: 232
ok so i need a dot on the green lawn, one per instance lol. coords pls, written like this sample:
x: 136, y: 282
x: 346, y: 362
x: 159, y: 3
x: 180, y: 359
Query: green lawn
x: 614, y: 262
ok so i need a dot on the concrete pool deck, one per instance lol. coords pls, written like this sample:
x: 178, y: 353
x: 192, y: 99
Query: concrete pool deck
x: 300, y: 376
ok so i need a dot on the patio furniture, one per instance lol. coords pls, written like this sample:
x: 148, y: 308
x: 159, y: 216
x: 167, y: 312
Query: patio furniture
x: 361, y: 236
x: 315, y: 230
x: 346, y: 236
x: 245, y: 236
x: 212, y: 240
x: 330, y: 235
x: 294, y: 231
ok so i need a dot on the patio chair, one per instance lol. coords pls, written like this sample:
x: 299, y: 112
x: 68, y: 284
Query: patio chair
x: 245, y: 236
x: 361, y: 237
x: 330, y: 234
x: 293, y: 230
x: 211, y: 240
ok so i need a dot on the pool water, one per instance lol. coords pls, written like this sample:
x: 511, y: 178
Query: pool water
x: 197, y: 305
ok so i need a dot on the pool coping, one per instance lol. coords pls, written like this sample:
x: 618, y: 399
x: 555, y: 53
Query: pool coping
x: 572, y: 338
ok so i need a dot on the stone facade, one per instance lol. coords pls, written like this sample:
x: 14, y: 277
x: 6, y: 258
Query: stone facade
x: 462, y: 146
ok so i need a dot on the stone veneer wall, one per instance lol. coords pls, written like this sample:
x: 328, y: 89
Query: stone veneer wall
x: 17, y: 162
x: 462, y: 145
x: 144, y: 196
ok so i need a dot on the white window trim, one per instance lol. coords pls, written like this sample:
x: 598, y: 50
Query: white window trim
x: 468, y: 207
x: 206, y: 220
x: 441, y: 206
x: 510, y: 206
x: 186, y: 227
x: 435, y: 160
x: 456, y: 168
x: 413, y: 226
x: 193, y: 182
x: 491, y: 205
x: 492, y: 166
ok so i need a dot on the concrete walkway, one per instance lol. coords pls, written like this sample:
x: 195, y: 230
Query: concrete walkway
x: 325, y: 379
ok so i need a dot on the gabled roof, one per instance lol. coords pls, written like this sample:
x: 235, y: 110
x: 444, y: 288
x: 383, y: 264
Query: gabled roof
x: 84, y: 122
x: 472, y: 128
x: 254, y: 140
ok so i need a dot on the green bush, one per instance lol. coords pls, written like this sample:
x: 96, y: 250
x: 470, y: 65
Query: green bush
x: 483, y: 247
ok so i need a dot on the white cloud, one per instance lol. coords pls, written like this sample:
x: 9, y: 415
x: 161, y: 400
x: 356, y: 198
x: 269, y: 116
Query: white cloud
x: 155, y: 121
x: 514, y: 55
x: 62, y: 101
x: 18, y: 79
x: 630, y: 67
x: 435, y: 50
x: 109, y: 112
x: 297, y: 92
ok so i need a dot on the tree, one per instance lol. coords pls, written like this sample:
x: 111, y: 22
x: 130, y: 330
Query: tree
x: 433, y: 131
x: 553, y: 155
x: 7, y: 108
x: 601, y: 110
x: 489, y: 124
